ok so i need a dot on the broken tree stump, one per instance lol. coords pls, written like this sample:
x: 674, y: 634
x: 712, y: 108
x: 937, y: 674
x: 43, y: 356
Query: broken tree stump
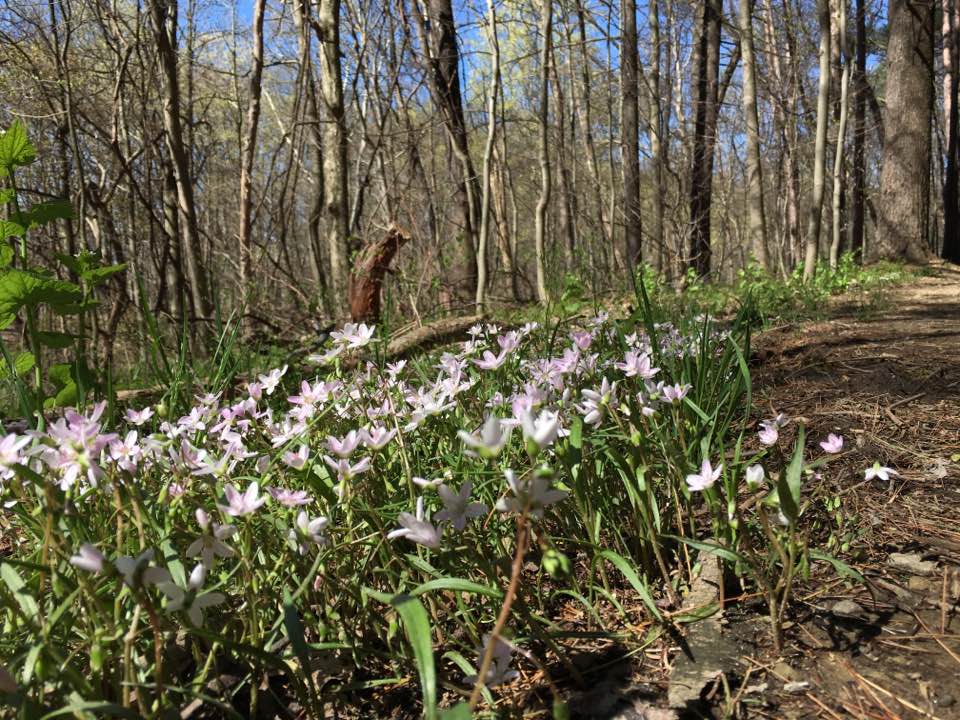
x: 366, y: 280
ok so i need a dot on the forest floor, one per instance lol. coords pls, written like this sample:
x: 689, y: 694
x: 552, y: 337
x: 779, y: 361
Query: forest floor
x: 889, y: 382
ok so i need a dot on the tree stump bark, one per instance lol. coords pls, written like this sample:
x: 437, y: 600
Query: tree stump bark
x: 366, y: 280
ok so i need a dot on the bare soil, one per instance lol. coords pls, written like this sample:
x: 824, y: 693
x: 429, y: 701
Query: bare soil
x: 890, y: 385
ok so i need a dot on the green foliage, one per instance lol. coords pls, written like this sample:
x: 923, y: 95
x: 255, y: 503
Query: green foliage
x: 33, y: 290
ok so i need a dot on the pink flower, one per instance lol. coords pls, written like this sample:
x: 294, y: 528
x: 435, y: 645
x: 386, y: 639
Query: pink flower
x: 240, y: 505
x: 768, y: 433
x: 675, y: 393
x: 705, y: 478
x: 415, y: 529
x: 833, y: 444
x: 491, y: 361
x: 139, y: 417
x: 289, y: 498
x: 297, y: 460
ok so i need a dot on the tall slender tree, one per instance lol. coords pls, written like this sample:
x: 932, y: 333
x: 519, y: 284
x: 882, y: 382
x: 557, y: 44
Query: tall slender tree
x: 704, y: 134
x: 756, y: 218
x: 630, y: 133
x: 815, y: 217
x: 950, y: 15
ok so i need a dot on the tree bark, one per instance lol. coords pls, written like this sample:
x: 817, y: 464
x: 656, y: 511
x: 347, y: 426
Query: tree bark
x: 756, y: 219
x: 838, y: 174
x: 630, y: 135
x: 905, y: 171
x: 439, y: 35
x: 704, y: 135
x: 327, y: 28
x: 815, y: 217
x: 859, y: 170
x: 951, y: 209
x: 540, y: 231
x: 248, y: 149
x: 163, y: 14
x: 657, y: 155
x: 488, y: 155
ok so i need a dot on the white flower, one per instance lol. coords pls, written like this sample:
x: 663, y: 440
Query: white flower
x: 308, y: 531
x: 138, y: 571
x: 706, y: 478
x: 880, y: 471
x: 542, y: 431
x: 190, y: 599
x: 499, y: 671
x: 457, y: 507
x: 492, y: 438
x: 833, y: 444
x: 415, y: 529
x: 768, y: 433
x: 210, y: 544
x: 755, y: 476
x: 88, y: 558
x: 531, y: 495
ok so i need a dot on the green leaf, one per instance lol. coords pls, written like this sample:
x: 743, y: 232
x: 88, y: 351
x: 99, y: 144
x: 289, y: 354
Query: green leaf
x: 457, y: 585
x: 789, y: 482
x: 15, y: 584
x: 95, y: 707
x: 839, y: 565
x: 720, y: 551
x: 9, y: 229
x: 24, y: 287
x: 99, y: 275
x: 460, y: 711
x: 416, y: 625
x: 56, y: 340
x: 6, y: 252
x: 631, y: 575
x: 24, y: 363
x: 47, y: 212
x: 15, y: 148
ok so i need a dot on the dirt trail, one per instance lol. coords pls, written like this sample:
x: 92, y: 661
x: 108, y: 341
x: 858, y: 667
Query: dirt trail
x: 890, y: 384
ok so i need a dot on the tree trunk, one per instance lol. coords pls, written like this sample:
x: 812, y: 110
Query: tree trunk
x: 439, y: 36
x: 838, y: 175
x: 248, y: 150
x: 163, y: 14
x: 756, y: 220
x: 951, y: 209
x: 366, y: 280
x: 704, y: 135
x: 630, y: 134
x: 488, y: 155
x: 327, y: 29
x: 657, y: 155
x: 815, y: 217
x: 859, y: 171
x: 314, y: 135
x: 905, y: 170
x: 546, y: 31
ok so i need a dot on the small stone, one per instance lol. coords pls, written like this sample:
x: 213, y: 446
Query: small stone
x: 848, y: 609
x: 782, y: 670
x: 796, y: 687
x: 756, y: 689
x: 911, y: 563
x: 945, y: 701
x: 918, y: 584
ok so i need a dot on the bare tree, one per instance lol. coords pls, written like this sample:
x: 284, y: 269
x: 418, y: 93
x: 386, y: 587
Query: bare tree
x: 163, y: 14
x: 756, y: 219
x: 903, y: 224
x: 950, y: 16
x: 858, y: 175
x: 327, y: 28
x: 630, y: 133
x: 820, y: 149
x: 838, y: 174
x: 704, y: 134
x: 494, y: 91
x: 546, y: 32
x: 248, y: 148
